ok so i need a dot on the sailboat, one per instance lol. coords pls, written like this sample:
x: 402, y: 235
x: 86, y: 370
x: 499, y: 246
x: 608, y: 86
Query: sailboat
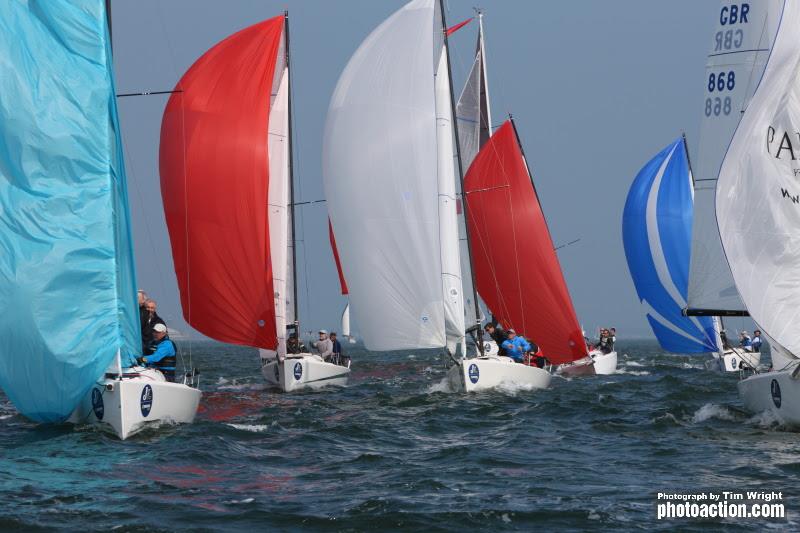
x: 65, y: 230
x: 343, y: 284
x: 227, y: 188
x: 759, y: 174
x: 399, y: 249
x: 656, y: 232
x: 741, y: 44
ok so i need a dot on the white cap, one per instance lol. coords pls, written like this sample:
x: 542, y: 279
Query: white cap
x: 161, y: 328
x: 325, y: 331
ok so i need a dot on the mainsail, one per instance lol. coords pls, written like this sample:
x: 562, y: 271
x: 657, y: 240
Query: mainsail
x: 657, y: 232
x: 474, y: 122
x: 388, y: 150
x: 740, y: 47
x: 67, y: 278
x: 224, y: 187
x: 517, y: 269
x: 758, y: 197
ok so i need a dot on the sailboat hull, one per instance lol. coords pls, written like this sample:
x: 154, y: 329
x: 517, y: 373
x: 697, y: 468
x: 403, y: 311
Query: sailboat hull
x: 483, y: 373
x: 604, y: 363
x: 774, y: 392
x: 303, y: 371
x: 733, y: 361
x: 126, y: 406
x: 596, y: 363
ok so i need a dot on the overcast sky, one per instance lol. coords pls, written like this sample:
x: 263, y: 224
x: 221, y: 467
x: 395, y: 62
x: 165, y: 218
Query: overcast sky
x: 596, y: 88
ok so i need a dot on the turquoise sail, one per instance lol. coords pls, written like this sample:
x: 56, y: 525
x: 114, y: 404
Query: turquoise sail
x: 67, y: 277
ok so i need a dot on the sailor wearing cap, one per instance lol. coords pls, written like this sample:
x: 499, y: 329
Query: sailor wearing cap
x: 745, y: 341
x: 324, y: 345
x: 164, y: 357
x: 515, y: 346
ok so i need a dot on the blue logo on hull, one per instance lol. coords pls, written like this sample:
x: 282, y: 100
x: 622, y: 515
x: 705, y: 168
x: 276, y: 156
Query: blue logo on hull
x: 775, y: 389
x: 146, y: 400
x: 97, y: 403
x: 474, y: 373
x: 298, y: 371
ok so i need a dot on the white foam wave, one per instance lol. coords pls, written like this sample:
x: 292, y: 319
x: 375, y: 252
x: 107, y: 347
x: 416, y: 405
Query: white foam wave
x: 709, y: 411
x: 442, y: 386
x: 238, y: 502
x: 253, y: 428
x: 765, y: 419
x: 632, y: 372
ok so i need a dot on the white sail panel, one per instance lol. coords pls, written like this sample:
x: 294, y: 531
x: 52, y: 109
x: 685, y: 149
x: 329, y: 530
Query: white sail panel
x: 449, y: 245
x: 278, y: 199
x: 380, y: 176
x: 740, y: 47
x: 346, y: 321
x: 758, y: 194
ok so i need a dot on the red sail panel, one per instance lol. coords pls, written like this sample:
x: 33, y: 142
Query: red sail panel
x: 516, y: 267
x: 214, y: 183
x: 342, y: 281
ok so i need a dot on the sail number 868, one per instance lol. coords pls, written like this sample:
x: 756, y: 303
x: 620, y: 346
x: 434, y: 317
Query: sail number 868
x: 721, y: 81
x: 717, y: 106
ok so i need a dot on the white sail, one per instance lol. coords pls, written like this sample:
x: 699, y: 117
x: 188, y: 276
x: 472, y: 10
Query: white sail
x: 758, y: 194
x: 346, y: 321
x: 740, y: 47
x: 278, y: 199
x: 473, y: 119
x: 380, y: 169
x: 449, y: 244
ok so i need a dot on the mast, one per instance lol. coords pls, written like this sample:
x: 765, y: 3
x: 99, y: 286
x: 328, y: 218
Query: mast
x: 486, y: 113
x: 296, y: 323
x: 461, y: 178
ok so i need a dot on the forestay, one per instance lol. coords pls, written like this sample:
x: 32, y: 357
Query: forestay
x: 656, y: 233
x: 518, y: 273
x: 380, y: 169
x: 759, y: 176
x: 215, y: 183
x: 67, y: 280
x: 739, y: 50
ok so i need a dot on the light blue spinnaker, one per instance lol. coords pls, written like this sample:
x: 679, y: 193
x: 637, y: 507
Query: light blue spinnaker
x: 657, y: 233
x: 67, y: 279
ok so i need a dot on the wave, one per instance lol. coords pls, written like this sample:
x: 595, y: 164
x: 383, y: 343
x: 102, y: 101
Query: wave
x: 253, y: 428
x: 710, y: 411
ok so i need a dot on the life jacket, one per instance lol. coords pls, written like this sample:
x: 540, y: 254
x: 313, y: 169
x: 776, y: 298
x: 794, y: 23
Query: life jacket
x: 167, y: 364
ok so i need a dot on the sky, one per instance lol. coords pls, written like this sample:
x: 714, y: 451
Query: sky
x: 596, y: 89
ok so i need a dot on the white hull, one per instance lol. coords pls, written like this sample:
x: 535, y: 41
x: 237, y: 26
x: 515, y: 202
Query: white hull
x: 128, y: 405
x: 303, y: 371
x: 776, y: 392
x: 483, y: 373
x: 596, y: 364
x: 731, y: 361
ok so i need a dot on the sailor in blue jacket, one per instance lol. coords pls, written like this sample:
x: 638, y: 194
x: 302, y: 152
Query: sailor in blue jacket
x: 516, y: 347
x: 164, y: 356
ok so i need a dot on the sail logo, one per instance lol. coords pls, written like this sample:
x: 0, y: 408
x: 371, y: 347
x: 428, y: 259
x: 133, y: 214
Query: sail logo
x: 793, y: 197
x: 780, y: 145
x: 298, y: 371
x: 146, y: 400
x: 97, y: 403
x: 775, y: 390
x: 474, y: 373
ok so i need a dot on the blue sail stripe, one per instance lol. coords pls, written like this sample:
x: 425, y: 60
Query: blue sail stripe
x: 656, y: 232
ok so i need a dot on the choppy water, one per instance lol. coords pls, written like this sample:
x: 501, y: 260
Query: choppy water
x: 395, y: 450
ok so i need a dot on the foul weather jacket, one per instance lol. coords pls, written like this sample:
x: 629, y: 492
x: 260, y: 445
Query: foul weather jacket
x: 516, y: 348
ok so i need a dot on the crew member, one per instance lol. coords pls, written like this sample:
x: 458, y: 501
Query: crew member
x: 324, y: 345
x: 516, y: 347
x: 498, y: 336
x: 337, y: 349
x: 294, y: 346
x: 164, y: 355
x: 757, y: 341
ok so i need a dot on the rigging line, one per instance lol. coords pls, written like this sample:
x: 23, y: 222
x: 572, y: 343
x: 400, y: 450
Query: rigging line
x: 308, y: 202
x: 565, y: 245
x: 149, y: 93
x: 489, y: 189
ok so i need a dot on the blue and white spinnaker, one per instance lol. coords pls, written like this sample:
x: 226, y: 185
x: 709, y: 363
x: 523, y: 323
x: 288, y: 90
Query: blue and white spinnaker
x: 656, y: 232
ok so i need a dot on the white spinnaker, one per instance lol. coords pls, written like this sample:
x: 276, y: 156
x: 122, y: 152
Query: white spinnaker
x: 473, y: 119
x: 452, y: 287
x: 739, y: 50
x: 380, y: 176
x: 758, y: 194
x: 278, y: 199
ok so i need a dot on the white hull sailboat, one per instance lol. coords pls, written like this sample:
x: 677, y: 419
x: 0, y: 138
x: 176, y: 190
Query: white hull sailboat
x: 763, y: 248
x: 231, y: 218
x: 303, y: 371
x: 734, y: 360
x: 74, y: 241
x: 596, y: 363
x: 491, y: 371
x: 139, y: 397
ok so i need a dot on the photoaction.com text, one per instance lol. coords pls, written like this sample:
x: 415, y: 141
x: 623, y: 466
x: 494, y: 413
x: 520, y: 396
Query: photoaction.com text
x: 722, y: 504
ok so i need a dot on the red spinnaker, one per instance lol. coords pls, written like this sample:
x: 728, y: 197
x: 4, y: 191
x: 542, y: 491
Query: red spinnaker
x: 516, y: 267
x: 342, y: 281
x: 214, y: 184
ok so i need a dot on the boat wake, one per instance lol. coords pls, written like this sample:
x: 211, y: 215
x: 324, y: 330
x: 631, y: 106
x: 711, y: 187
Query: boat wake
x: 710, y: 411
